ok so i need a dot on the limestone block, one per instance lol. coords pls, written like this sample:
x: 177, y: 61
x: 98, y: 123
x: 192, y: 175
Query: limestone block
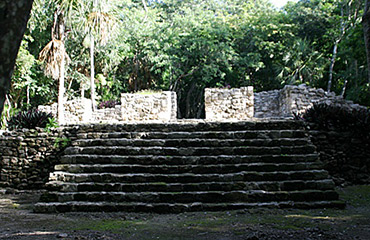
x: 228, y: 104
x: 156, y: 106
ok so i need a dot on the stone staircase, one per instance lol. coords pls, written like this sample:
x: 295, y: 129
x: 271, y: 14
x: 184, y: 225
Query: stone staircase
x: 189, y: 167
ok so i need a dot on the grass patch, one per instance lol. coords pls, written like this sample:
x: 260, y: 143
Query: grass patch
x: 238, y: 223
x: 356, y: 195
x: 110, y: 225
x: 221, y: 222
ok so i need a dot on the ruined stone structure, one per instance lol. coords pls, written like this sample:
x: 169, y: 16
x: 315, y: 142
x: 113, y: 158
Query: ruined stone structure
x: 28, y: 155
x: 107, y: 115
x: 236, y: 104
x: 346, y: 154
x: 229, y: 104
x: 294, y: 99
x: 266, y: 104
x: 181, y: 166
x: 177, y: 167
x: 75, y: 111
x: 160, y: 106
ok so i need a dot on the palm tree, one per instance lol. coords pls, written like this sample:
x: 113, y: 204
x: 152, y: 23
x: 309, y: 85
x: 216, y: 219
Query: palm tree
x: 301, y: 64
x: 93, y: 18
x: 54, y: 54
x: 55, y: 57
x: 98, y: 28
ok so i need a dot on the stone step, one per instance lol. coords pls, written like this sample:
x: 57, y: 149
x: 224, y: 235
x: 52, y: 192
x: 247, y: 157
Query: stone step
x: 325, y: 184
x: 191, y: 197
x: 192, y: 142
x: 199, y: 166
x: 233, y: 134
x: 188, y: 177
x: 56, y: 207
x: 197, y: 169
x: 190, y: 127
x: 182, y: 160
x: 190, y: 151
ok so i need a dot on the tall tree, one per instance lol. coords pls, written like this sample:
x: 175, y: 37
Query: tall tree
x: 14, y: 14
x: 99, y: 27
x: 349, y: 10
x: 54, y: 55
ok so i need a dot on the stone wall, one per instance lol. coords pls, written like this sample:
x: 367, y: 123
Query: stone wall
x: 135, y: 107
x: 299, y: 98
x: 229, y: 104
x: 160, y: 106
x: 345, y: 154
x: 28, y: 156
x: 294, y: 99
x: 266, y: 104
x: 108, y: 115
x: 75, y: 111
x: 220, y: 105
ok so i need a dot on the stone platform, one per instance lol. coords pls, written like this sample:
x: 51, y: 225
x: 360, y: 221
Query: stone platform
x: 189, y: 166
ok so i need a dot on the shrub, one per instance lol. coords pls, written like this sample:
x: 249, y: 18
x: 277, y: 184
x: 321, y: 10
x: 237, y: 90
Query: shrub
x: 334, y: 117
x: 29, y: 119
x: 108, y: 104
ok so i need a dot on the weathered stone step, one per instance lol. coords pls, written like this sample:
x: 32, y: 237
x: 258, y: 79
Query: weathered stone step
x: 190, y: 151
x: 190, y: 127
x: 233, y: 134
x: 55, y: 207
x: 325, y: 184
x: 181, y: 160
x: 197, y: 169
x: 192, y: 142
x: 188, y: 177
x: 191, y: 197
x: 188, y: 167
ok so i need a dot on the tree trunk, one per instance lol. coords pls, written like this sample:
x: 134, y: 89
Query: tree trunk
x: 28, y: 96
x: 332, y: 63
x: 14, y: 15
x: 179, y: 96
x: 61, y: 118
x: 344, y: 89
x: 92, y: 72
x: 146, y: 10
x: 188, y: 109
x: 366, y: 29
x: 58, y: 32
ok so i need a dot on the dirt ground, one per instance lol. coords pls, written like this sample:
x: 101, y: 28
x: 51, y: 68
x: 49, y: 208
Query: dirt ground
x: 17, y: 221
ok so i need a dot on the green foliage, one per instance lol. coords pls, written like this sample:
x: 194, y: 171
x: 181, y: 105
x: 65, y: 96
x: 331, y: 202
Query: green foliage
x: 27, y: 84
x: 29, y: 119
x: 302, y: 64
x: 186, y: 46
x: 51, y: 124
x: 8, y: 111
x: 61, y: 142
x: 333, y: 117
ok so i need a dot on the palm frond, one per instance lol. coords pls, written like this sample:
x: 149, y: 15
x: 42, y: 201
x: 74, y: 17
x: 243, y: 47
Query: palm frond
x: 102, y: 24
x: 52, y: 55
